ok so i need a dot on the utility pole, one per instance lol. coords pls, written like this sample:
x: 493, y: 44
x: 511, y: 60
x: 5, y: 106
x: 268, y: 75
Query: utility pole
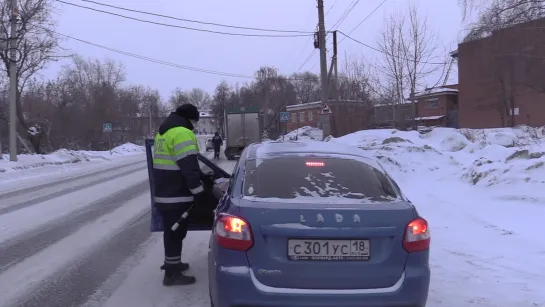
x: 266, y: 107
x: 336, y: 67
x: 414, y: 109
x: 336, y: 82
x: 13, y: 83
x: 322, y: 45
x: 150, y: 127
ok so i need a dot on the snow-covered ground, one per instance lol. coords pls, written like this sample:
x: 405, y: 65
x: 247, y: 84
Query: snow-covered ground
x: 305, y: 133
x: 31, y: 169
x: 476, y: 194
x: 64, y: 156
x: 34, y: 169
x: 484, y: 202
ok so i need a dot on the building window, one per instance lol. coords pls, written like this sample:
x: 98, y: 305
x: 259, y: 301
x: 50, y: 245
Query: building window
x: 516, y: 112
x: 293, y: 117
x: 310, y: 114
x: 302, y: 117
x: 432, y: 103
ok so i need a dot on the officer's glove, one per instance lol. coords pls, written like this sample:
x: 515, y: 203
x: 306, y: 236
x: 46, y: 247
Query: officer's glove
x: 200, y: 198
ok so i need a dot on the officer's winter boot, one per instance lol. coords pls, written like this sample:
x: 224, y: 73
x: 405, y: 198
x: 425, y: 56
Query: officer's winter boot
x: 174, y: 275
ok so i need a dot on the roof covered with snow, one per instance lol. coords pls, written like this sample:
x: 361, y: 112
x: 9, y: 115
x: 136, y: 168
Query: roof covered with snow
x: 206, y: 114
x: 315, y: 104
x: 430, y: 117
x: 436, y: 91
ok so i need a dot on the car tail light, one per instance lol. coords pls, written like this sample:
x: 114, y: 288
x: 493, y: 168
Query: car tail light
x: 417, y: 236
x: 315, y: 164
x: 233, y: 233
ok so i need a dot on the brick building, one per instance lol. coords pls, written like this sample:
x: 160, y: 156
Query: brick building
x: 347, y: 116
x: 393, y: 115
x: 437, y: 107
x: 501, y: 78
x: 207, y: 124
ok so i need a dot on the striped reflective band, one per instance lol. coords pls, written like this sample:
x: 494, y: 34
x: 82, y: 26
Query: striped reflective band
x: 173, y: 260
x: 183, y: 144
x: 173, y: 200
x: 184, y: 154
x: 197, y: 190
x: 162, y: 156
x: 166, y: 167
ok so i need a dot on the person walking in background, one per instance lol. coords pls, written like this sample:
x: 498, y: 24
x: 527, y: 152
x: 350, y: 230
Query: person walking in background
x: 217, y: 142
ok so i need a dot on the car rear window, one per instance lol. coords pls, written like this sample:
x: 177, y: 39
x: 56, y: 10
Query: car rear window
x: 303, y: 177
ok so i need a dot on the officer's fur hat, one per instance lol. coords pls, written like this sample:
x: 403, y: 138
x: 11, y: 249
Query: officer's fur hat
x: 188, y: 111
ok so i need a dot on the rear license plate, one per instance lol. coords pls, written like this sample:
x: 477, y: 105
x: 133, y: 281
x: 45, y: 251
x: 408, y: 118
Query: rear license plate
x: 329, y: 250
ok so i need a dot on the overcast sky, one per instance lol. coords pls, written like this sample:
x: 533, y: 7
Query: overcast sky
x: 232, y: 54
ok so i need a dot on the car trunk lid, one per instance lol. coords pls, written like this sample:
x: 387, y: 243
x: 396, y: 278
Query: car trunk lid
x: 325, y: 245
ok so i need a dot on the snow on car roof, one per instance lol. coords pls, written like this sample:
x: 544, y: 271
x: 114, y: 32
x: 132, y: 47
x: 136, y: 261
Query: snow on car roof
x: 302, y: 148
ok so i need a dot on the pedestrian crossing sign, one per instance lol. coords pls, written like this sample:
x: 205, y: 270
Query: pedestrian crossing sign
x: 107, y: 128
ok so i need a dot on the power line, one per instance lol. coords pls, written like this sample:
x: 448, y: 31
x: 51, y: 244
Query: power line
x: 306, y: 61
x: 309, y: 57
x: 392, y: 55
x: 310, y: 39
x: 340, y: 21
x: 345, y: 14
x: 165, y: 63
x: 364, y: 19
x: 367, y: 17
x: 141, y: 57
x: 194, y: 21
x: 182, y: 27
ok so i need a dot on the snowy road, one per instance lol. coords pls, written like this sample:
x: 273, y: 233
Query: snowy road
x: 69, y: 242
x: 85, y: 242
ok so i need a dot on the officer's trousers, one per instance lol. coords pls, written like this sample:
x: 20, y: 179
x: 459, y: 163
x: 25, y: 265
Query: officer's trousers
x: 173, y: 239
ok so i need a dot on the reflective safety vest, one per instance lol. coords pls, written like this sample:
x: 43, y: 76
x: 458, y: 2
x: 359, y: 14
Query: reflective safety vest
x: 175, y: 167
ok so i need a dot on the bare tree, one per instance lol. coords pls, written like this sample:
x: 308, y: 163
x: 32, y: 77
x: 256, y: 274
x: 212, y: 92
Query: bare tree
x: 409, y: 49
x: 36, y: 47
x: 497, y: 14
x: 199, y: 98
x: 392, y: 67
x: 177, y: 98
x: 220, y: 101
x: 307, y: 86
x: 420, y: 47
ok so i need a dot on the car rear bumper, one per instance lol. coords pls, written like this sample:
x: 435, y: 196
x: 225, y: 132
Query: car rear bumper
x: 238, y: 287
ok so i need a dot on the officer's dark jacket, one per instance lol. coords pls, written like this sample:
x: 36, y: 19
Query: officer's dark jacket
x: 217, y: 141
x: 175, y: 166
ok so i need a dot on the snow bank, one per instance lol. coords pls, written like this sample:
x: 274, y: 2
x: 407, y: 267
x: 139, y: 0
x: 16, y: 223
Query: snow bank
x: 64, y: 156
x: 303, y: 134
x: 480, y: 157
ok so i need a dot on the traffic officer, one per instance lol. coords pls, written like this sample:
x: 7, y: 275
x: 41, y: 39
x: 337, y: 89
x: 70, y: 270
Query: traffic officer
x: 177, y: 185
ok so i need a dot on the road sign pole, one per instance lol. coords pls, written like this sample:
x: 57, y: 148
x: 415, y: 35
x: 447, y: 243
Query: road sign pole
x: 108, y: 128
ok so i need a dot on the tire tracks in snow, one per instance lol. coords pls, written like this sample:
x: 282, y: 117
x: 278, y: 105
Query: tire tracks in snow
x: 14, y: 193
x: 76, y: 285
x: 25, y: 245
x: 84, y: 184
x: 64, y: 272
